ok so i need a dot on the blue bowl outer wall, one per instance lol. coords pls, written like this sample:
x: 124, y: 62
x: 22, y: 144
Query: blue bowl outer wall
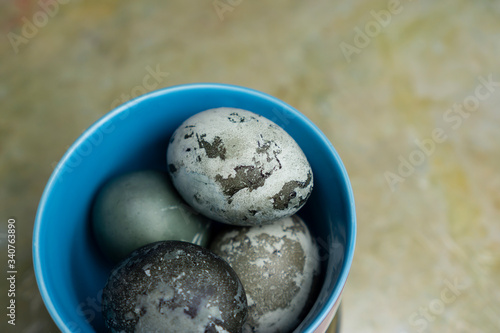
x: 135, y: 136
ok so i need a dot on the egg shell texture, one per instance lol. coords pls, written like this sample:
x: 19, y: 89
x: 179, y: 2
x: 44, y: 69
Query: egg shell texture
x: 238, y: 167
x: 176, y: 287
x: 278, y: 265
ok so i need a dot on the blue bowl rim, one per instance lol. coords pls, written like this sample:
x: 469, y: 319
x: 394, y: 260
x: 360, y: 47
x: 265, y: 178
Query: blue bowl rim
x: 351, y: 230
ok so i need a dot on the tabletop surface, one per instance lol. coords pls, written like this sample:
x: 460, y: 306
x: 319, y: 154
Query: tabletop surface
x: 407, y: 91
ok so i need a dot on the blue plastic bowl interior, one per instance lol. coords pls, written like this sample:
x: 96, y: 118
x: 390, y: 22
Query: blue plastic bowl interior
x: 69, y: 268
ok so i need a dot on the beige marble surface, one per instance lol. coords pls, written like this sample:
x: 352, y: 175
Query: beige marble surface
x: 407, y: 105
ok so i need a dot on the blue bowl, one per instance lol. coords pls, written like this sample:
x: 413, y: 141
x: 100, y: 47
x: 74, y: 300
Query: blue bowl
x: 69, y: 268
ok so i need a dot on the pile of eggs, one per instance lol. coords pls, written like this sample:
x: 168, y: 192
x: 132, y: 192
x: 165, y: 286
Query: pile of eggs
x: 213, y: 243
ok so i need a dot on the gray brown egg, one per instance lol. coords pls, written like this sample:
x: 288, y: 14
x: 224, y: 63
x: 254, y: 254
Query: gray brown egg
x: 278, y: 265
x: 173, y: 286
x: 238, y: 167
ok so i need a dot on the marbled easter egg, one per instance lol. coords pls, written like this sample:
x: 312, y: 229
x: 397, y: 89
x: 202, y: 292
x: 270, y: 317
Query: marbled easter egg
x: 176, y: 287
x: 278, y: 265
x: 238, y: 167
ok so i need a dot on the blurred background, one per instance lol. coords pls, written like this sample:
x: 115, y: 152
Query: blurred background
x: 407, y: 91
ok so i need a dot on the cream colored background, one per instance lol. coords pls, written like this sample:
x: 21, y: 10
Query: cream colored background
x: 438, y: 226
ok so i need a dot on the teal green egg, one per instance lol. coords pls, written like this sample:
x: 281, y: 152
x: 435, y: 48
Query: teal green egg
x: 142, y: 207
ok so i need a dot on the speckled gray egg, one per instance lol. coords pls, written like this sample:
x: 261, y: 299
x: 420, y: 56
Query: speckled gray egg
x: 142, y: 207
x: 238, y: 167
x: 176, y: 287
x: 278, y: 265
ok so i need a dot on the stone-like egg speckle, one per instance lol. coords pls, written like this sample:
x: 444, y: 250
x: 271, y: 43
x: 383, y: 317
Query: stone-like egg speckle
x: 238, y: 167
x: 173, y: 286
x: 278, y: 265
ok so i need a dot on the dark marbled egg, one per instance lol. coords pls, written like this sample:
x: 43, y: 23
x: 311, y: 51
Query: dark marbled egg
x: 278, y: 265
x: 238, y: 167
x: 173, y: 286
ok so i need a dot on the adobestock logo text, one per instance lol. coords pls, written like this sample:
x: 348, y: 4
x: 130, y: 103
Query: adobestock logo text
x: 30, y: 28
x: 454, y: 116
